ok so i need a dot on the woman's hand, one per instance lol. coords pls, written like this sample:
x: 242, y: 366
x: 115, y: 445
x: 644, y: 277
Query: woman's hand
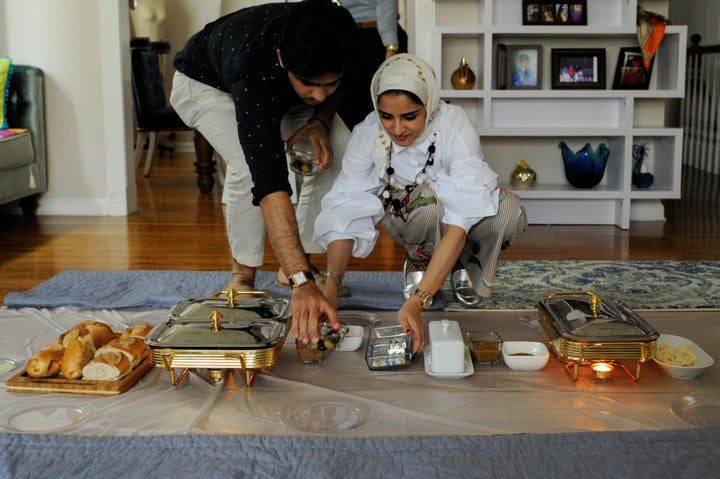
x: 409, y: 318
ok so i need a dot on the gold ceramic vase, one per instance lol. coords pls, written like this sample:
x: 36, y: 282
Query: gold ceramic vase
x: 523, y: 176
x: 463, y: 78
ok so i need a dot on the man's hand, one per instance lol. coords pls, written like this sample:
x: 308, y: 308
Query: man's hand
x: 308, y: 303
x: 309, y: 309
x: 315, y: 133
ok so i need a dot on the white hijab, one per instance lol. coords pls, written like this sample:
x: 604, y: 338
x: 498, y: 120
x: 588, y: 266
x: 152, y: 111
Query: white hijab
x: 408, y: 73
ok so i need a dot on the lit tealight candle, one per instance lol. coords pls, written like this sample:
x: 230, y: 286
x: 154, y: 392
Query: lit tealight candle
x: 602, y: 370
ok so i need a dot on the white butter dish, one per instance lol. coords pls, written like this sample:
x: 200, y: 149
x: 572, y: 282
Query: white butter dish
x: 446, y: 346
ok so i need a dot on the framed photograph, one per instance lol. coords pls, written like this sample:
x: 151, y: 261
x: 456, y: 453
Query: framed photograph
x: 524, y: 68
x: 501, y: 67
x: 578, y: 68
x: 544, y: 12
x: 630, y: 73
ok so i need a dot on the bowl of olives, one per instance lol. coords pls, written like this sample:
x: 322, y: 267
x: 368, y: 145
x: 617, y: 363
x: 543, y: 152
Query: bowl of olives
x: 329, y: 342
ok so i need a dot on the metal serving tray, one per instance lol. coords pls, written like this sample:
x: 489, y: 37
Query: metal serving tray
x: 221, y: 333
x: 583, y: 328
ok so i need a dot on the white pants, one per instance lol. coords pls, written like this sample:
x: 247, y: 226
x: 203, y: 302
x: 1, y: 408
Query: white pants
x: 212, y: 113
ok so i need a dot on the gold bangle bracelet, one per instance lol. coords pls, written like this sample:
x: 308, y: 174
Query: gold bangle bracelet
x: 336, y: 275
x: 392, y: 48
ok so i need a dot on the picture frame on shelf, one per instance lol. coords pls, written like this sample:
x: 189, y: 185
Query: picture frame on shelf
x: 501, y: 67
x: 554, y: 12
x: 578, y: 68
x: 630, y: 72
x: 524, y: 67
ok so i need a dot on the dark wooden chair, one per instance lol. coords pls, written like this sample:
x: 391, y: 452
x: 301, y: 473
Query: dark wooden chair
x: 153, y: 114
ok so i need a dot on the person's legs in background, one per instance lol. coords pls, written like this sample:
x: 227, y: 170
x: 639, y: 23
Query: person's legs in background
x: 212, y: 112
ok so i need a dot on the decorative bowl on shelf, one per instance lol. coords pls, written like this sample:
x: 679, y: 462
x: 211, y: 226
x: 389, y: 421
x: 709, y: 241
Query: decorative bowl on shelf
x: 586, y: 167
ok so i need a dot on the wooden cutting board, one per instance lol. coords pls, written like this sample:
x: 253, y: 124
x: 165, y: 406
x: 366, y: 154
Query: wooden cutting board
x: 23, y: 383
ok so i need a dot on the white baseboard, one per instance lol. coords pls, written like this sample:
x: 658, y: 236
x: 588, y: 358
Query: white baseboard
x: 72, y: 207
x: 647, y: 210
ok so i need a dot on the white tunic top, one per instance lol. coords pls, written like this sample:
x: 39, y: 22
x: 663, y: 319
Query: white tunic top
x: 462, y: 181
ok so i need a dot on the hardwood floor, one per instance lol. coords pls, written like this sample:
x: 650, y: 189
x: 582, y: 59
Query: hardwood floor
x: 176, y: 227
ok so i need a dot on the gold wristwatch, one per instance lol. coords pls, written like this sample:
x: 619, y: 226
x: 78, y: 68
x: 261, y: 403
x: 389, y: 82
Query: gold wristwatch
x: 425, y: 298
x: 300, y: 278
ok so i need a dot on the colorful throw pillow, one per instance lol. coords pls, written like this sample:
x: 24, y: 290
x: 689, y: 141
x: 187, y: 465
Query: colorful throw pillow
x: 5, y: 73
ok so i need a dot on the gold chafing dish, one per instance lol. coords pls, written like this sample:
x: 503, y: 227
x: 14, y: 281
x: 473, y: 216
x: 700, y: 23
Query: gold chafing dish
x: 221, y: 333
x: 583, y: 329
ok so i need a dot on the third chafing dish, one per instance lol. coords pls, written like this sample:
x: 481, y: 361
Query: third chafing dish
x: 583, y: 329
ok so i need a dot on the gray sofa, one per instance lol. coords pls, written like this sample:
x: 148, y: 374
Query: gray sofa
x: 23, y: 163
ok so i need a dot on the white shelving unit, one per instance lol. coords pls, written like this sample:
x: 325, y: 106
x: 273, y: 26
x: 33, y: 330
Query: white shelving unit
x: 529, y: 124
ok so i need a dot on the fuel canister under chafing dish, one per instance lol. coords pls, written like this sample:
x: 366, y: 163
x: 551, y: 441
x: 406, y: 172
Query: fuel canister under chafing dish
x: 220, y: 334
x: 583, y: 328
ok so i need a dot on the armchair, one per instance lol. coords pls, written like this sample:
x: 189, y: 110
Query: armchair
x: 23, y: 163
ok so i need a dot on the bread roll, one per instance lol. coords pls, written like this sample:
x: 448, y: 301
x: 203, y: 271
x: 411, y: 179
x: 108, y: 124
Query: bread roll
x: 107, y: 366
x: 47, y: 362
x: 77, y: 354
x: 132, y: 348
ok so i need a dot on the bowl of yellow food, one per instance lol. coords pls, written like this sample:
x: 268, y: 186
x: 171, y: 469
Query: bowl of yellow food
x: 681, y: 358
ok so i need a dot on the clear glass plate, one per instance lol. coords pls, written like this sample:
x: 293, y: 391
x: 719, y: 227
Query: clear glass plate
x: 698, y: 411
x: 45, y: 415
x: 10, y: 363
x: 324, y: 416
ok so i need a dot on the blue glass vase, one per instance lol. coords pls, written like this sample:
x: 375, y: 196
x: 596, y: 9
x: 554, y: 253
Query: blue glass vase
x: 585, y: 168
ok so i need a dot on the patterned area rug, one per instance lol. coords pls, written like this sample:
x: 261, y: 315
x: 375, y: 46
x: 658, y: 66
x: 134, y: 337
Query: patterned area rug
x: 519, y: 285
x: 638, y: 284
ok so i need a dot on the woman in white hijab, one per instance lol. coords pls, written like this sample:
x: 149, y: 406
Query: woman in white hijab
x: 415, y: 163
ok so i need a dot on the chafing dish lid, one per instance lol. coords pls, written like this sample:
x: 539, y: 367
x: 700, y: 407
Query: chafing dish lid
x: 574, y: 317
x: 251, y: 323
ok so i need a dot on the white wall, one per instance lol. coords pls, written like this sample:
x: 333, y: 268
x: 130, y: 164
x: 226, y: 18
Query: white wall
x: 66, y: 39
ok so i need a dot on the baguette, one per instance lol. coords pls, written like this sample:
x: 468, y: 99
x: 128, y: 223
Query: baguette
x: 77, y: 354
x: 132, y: 348
x: 107, y: 366
x: 100, y: 333
x: 139, y: 331
x: 47, y: 362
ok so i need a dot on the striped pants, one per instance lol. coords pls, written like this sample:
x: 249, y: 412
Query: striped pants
x: 420, y: 229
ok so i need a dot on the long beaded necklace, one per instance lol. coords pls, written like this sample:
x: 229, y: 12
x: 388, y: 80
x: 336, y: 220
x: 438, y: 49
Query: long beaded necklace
x: 419, y: 179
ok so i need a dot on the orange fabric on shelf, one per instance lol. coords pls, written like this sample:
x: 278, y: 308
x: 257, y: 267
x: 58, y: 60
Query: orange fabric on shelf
x: 650, y: 35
